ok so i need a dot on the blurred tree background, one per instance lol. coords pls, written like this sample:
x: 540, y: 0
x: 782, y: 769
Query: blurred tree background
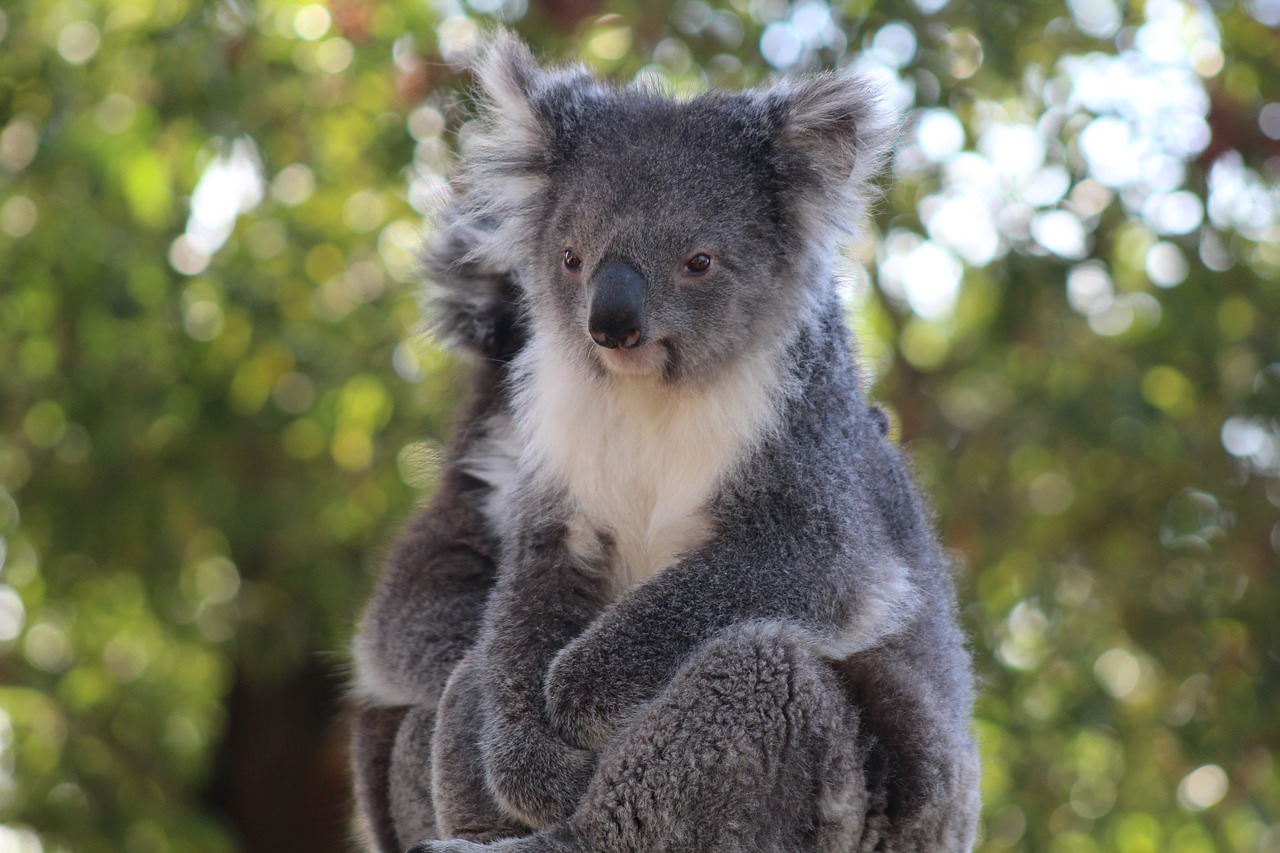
x: 216, y: 408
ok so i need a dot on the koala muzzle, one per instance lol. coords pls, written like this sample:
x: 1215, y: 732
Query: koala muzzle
x: 617, y: 307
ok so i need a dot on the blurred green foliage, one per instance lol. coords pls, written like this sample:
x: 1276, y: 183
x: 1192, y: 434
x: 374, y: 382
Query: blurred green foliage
x: 216, y: 409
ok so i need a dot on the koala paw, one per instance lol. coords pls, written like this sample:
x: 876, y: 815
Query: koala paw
x: 537, y: 778
x: 584, y: 710
x: 576, y: 712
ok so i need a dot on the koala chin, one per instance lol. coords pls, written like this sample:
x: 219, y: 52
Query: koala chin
x: 677, y: 591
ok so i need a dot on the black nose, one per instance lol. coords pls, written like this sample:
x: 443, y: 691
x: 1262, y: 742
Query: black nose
x: 617, y: 307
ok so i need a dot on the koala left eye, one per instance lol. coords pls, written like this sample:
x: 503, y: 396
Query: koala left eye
x: 698, y: 264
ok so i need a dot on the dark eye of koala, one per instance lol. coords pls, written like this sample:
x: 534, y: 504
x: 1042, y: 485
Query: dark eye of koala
x: 571, y: 260
x: 698, y: 264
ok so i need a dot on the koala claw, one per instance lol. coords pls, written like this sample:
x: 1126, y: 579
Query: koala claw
x: 455, y: 846
x: 552, y: 842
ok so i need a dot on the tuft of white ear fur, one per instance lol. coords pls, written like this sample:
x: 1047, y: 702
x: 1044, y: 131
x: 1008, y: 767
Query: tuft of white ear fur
x: 507, y: 78
x: 836, y: 134
x: 472, y: 290
x: 508, y: 149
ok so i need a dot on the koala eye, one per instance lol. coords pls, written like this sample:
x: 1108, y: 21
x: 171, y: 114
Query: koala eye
x: 698, y: 264
x: 572, y: 261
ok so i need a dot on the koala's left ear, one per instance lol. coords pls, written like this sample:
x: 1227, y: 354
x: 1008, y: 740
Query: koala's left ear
x: 833, y: 135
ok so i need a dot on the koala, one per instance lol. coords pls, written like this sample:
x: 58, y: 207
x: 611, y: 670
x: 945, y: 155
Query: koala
x: 678, y: 591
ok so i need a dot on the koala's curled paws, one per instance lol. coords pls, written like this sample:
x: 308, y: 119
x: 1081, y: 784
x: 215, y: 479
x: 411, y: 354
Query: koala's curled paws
x: 585, y: 709
x: 536, y: 777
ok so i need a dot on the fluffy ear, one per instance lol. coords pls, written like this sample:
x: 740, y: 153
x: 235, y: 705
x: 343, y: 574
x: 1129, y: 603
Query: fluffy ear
x: 509, y: 149
x: 507, y: 80
x: 508, y: 152
x: 834, y: 133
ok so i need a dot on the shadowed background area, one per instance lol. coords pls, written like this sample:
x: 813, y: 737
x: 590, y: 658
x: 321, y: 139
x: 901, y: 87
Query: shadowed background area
x: 216, y: 408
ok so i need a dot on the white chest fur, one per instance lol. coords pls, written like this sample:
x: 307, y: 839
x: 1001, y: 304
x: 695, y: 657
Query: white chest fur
x: 639, y: 458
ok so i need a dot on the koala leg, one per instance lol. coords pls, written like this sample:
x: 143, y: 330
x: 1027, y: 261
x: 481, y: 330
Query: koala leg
x: 922, y: 755
x: 373, y: 736
x: 751, y: 747
x: 409, y: 777
x: 758, y: 744
x: 464, y: 808
x: 419, y: 773
x: 391, y: 751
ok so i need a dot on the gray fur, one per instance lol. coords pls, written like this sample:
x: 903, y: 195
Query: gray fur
x: 757, y: 653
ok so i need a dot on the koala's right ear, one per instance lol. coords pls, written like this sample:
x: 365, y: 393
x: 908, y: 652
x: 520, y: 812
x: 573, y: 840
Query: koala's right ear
x: 508, y: 79
x: 512, y: 144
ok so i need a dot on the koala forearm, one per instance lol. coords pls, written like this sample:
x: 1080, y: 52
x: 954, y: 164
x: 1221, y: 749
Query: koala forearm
x: 625, y: 657
x: 542, y: 602
x: 628, y: 654
x: 635, y: 647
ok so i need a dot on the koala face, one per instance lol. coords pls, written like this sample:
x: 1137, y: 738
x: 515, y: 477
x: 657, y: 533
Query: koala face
x: 663, y: 251
x: 659, y: 237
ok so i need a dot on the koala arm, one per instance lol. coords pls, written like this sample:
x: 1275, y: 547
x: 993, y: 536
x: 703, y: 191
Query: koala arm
x: 846, y: 601
x: 625, y: 657
x: 543, y: 599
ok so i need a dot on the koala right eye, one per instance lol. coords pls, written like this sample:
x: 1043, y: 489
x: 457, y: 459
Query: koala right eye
x: 572, y: 261
x: 698, y: 264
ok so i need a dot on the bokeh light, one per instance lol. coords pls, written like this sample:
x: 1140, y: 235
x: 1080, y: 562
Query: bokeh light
x: 218, y: 404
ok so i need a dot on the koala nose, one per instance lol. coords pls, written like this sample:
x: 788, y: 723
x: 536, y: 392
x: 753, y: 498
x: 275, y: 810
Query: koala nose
x: 617, y: 307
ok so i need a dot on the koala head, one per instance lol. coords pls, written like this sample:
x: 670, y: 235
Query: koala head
x: 658, y: 237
